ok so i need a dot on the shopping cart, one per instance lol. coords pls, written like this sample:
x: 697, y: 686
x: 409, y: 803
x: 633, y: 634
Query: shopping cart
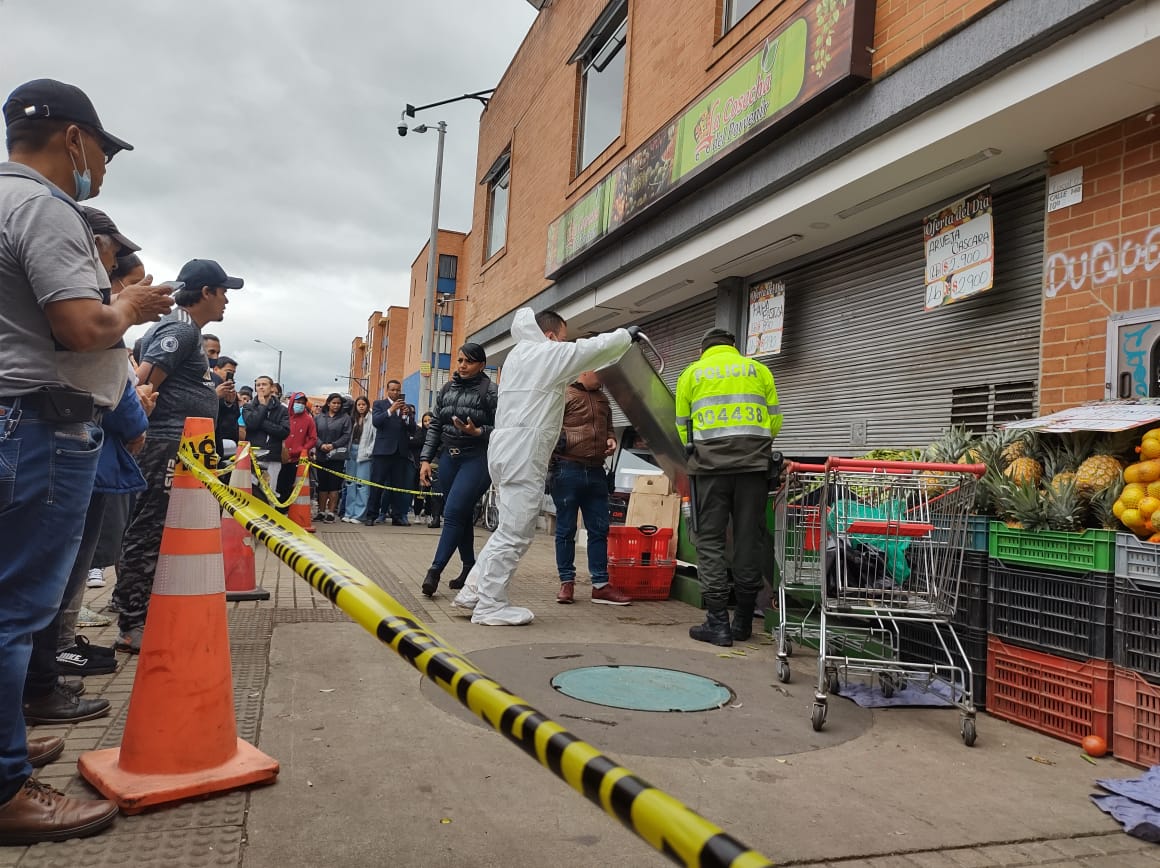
x: 799, y: 556
x: 893, y: 536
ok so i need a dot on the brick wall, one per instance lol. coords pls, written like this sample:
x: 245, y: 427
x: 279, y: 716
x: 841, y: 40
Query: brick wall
x: 397, y: 325
x: 447, y: 243
x: 358, y: 353
x: 1102, y: 255
x: 675, y: 51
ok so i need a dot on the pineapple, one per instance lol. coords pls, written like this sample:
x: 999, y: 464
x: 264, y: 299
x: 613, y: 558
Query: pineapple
x: 949, y: 447
x: 1097, y: 473
x: 1020, y: 504
x: 1025, y: 471
x: 1063, y: 507
x: 1103, y: 506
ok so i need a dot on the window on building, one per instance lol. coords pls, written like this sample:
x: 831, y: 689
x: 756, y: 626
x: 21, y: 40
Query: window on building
x: 448, y: 266
x: 497, y: 210
x: 601, y: 58
x: 735, y: 10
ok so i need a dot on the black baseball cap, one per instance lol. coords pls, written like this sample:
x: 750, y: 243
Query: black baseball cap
x: 49, y: 99
x: 102, y: 224
x: 205, y: 272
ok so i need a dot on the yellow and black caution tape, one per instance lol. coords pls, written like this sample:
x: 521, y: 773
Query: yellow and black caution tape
x: 224, y: 468
x: 666, y: 824
x: 376, y: 484
x: 272, y: 496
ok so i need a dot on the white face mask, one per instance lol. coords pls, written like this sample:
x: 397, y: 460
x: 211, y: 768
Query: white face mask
x: 83, y: 181
x: 299, y: 408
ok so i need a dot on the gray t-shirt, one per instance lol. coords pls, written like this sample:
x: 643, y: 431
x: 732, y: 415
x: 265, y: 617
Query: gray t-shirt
x: 174, y: 345
x: 47, y: 254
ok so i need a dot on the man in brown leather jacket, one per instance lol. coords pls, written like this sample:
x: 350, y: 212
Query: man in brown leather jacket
x: 579, y: 484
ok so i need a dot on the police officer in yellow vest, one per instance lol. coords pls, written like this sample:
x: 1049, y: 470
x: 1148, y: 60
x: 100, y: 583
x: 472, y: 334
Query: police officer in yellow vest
x: 730, y: 405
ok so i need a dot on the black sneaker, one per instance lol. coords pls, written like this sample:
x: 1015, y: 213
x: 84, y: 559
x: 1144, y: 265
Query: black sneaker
x: 84, y: 658
x: 60, y: 706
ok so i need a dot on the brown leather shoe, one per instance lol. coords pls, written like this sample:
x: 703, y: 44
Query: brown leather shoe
x: 566, y: 593
x: 42, y: 751
x: 610, y: 596
x: 40, y: 813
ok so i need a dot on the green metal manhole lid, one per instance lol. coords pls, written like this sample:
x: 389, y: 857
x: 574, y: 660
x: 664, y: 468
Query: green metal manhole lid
x: 643, y: 688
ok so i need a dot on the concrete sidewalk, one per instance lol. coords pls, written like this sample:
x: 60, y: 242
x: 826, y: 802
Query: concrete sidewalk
x: 381, y: 768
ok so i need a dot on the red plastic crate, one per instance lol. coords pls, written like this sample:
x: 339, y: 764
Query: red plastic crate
x: 639, y: 545
x: 1053, y: 695
x: 652, y: 582
x: 1136, y: 719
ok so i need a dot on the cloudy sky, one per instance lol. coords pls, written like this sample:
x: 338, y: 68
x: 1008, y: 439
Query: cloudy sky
x: 265, y: 136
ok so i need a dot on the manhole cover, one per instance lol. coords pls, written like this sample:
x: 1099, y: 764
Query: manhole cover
x: 642, y: 688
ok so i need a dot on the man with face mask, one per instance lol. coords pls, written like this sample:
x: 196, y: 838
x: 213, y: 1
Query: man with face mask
x: 54, y: 304
x: 174, y: 363
x: 528, y: 419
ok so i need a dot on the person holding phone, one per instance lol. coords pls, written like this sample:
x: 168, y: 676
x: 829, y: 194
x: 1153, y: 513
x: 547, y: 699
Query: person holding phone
x: 391, y: 456
x: 222, y: 370
x: 464, y: 418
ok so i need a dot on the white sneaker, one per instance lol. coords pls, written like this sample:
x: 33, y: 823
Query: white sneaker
x: 96, y: 578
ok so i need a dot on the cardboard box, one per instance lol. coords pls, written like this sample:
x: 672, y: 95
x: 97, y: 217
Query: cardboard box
x: 653, y: 502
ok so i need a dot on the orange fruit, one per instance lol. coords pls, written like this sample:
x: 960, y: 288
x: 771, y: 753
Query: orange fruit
x: 1150, y: 448
x: 1132, y: 473
x: 1149, y: 471
x: 1153, y: 489
x: 1094, y: 746
x: 1132, y: 519
x: 1132, y: 494
x: 1148, y: 505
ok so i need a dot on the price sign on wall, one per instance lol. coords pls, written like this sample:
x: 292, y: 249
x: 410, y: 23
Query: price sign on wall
x: 766, y: 317
x: 960, y: 250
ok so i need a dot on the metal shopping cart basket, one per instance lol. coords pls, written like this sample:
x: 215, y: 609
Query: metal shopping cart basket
x: 799, y: 556
x: 893, y: 535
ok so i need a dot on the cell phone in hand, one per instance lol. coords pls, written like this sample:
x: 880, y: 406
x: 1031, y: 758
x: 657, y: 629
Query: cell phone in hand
x: 173, y: 285
x: 229, y: 376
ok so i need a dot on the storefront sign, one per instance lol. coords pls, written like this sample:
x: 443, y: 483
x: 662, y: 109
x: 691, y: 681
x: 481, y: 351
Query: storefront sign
x: 766, y: 317
x: 821, y: 50
x: 1065, y: 189
x: 960, y: 250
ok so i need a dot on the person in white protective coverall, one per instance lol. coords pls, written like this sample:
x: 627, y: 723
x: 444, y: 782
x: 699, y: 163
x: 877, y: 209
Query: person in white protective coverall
x: 532, y: 388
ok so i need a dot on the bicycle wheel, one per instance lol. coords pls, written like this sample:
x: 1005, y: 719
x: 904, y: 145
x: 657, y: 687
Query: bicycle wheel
x: 491, y: 516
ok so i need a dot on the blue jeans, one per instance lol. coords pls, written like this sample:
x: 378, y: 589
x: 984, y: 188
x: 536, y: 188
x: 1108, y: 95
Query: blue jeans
x: 580, y: 489
x: 463, y: 479
x: 356, y: 492
x: 46, y: 479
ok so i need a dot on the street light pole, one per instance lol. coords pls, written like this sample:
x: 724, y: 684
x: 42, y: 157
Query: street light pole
x: 427, y: 395
x: 279, y: 352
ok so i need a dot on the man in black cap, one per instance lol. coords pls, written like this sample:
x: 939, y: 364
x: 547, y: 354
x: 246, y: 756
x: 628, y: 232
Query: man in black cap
x: 174, y: 363
x: 727, y: 411
x: 57, y: 325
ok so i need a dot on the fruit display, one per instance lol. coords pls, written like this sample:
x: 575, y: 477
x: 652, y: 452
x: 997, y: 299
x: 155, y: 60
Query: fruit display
x: 1138, y: 504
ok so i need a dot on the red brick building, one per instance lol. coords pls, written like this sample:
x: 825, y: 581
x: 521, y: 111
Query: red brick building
x: 880, y: 197
x: 383, y: 351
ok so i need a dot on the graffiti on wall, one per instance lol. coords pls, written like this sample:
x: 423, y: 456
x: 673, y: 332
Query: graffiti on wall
x: 1134, y: 358
x: 1105, y: 262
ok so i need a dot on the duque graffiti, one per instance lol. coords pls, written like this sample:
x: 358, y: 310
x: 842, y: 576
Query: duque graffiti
x: 1105, y: 262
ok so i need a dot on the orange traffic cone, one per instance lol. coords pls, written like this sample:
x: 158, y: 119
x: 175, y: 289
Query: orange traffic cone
x: 237, y: 544
x: 181, y: 736
x: 299, y: 511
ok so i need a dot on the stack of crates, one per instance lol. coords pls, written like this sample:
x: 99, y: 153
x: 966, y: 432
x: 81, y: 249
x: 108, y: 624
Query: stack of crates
x: 1049, y: 661
x: 918, y: 642
x: 638, y: 561
x: 1136, y: 652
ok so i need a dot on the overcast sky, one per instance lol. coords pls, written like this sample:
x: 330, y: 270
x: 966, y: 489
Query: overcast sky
x: 265, y: 135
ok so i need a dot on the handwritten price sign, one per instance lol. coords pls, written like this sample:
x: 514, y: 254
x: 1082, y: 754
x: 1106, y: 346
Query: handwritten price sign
x: 766, y: 318
x: 960, y: 250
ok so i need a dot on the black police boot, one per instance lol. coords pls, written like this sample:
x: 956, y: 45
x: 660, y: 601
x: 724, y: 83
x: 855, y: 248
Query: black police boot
x: 431, y: 582
x: 715, y: 630
x: 743, y: 617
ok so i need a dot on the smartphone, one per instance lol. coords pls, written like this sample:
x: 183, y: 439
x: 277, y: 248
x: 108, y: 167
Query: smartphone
x: 173, y: 285
x: 229, y: 376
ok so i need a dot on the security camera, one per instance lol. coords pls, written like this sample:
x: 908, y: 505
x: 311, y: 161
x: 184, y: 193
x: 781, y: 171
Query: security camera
x: 402, y: 128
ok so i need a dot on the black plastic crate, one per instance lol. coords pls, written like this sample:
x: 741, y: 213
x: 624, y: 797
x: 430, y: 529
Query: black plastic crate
x: 917, y: 643
x: 1069, y: 614
x: 1136, y: 638
x: 971, y: 611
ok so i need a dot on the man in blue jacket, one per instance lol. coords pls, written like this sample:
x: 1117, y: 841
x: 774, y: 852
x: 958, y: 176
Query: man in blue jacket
x: 391, y: 457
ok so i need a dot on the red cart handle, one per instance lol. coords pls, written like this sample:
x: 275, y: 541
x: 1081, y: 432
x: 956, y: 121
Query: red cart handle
x: 795, y: 467
x: 903, y: 466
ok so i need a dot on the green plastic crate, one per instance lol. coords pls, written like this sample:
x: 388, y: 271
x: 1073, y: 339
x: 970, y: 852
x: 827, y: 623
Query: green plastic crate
x: 1083, y: 552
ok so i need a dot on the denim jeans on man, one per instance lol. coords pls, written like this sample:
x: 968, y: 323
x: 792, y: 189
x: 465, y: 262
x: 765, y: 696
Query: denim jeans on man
x: 46, y: 478
x: 463, y: 478
x: 577, y: 488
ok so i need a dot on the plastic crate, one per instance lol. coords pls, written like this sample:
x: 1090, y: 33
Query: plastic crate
x: 1089, y: 550
x: 642, y: 582
x: 1137, y: 559
x: 917, y: 643
x: 977, y: 533
x: 641, y: 545
x: 1136, y: 634
x: 1136, y: 719
x: 1052, y: 610
x: 1052, y: 695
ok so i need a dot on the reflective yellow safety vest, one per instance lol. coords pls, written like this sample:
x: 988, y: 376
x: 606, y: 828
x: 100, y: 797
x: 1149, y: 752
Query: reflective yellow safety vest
x: 731, y: 403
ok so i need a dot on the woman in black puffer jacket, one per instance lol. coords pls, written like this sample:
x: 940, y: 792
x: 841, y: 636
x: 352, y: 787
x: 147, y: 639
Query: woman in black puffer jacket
x: 464, y: 417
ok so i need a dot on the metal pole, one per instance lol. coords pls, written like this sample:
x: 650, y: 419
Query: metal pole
x: 279, y: 369
x: 427, y: 395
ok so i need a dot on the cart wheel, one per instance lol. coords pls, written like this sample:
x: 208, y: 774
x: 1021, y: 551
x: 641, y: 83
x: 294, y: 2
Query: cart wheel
x: 887, y: 684
x: 968, y: 730
x: 818, y: 716
x: 783, y: 671
x: 833, y: 685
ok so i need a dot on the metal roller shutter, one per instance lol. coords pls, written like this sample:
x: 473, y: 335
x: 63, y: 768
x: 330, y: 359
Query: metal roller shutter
x: 677, y: 337
x: 863, y: 366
